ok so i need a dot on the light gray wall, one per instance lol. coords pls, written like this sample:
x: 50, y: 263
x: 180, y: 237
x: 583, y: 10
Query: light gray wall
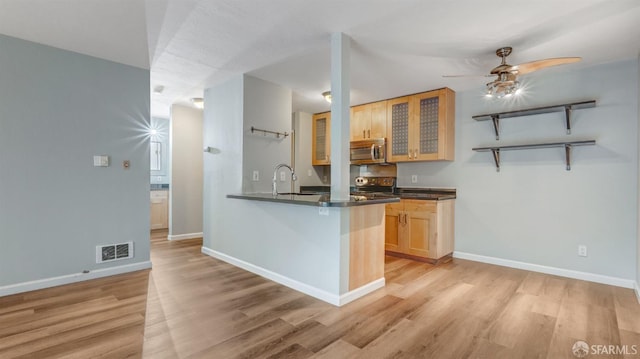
x: 57, y: 110
x: 222, y: 130
x: 265, y: 106
x: 533, y: 210
x: 291, y: 240
x: 162, y: 125
x: 185, y: 196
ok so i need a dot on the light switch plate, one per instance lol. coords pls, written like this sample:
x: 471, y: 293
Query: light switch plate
x: 414, y: 178
x: 283, y: 176
x: 101, y: 161
x: 256, y: 176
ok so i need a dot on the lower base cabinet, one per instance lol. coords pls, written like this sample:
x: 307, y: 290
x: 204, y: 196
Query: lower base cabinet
x: 159, y: 209
x: 420, y: 228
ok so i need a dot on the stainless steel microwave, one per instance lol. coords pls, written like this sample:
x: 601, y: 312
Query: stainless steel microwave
x: 372, y: 151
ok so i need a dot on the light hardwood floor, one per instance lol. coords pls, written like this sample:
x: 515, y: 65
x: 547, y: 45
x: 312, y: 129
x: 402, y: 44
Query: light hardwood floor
x: 194, y: 306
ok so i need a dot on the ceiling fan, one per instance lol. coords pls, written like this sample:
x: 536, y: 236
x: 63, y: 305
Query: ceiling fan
x: 506, y: 83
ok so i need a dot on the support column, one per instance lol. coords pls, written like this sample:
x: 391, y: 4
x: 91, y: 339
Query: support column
x: 340, y: 128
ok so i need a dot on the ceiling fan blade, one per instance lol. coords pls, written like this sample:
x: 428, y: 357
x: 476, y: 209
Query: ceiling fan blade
x: 468, y: 75
x: 532, y: 66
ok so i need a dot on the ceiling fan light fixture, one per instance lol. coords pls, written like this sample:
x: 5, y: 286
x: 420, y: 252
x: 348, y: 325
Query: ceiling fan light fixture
x: 327, y: 96
x: 505, y: 85
x: 502, y: 89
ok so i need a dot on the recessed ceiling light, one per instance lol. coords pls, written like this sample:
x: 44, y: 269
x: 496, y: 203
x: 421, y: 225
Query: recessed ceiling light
x: 327, y: 96
x: 198, y: 102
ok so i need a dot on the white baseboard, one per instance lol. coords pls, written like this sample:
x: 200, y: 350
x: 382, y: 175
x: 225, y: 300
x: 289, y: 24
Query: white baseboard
x: 71, y: 278
x: 321, y: 294
x: 636, y: 287
x: 180, y: 237
x: 591, y: 277
x: 361, y: 291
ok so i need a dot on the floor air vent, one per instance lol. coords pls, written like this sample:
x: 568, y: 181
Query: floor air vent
x: 113, y: 252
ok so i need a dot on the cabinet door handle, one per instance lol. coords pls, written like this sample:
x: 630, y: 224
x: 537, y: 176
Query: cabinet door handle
x: 405, y: 219
x: 363, y: 134
x: 369, y: 133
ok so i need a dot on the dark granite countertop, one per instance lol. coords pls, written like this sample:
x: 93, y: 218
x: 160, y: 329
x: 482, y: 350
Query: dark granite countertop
x: 433, y: 194
x: 315, y: 189
x: 437, y: 194
x: 429, y: 194
x: 316, y: 200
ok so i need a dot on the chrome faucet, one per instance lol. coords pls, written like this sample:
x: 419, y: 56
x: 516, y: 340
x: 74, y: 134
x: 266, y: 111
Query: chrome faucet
x: 275, y: 177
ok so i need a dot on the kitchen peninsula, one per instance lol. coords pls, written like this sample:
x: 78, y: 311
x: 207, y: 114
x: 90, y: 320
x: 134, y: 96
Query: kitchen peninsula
x: 332, y: 250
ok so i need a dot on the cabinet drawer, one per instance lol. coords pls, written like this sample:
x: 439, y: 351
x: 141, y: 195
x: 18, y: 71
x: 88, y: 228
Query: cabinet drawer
x: 414, y: 205
x: 398, y: 206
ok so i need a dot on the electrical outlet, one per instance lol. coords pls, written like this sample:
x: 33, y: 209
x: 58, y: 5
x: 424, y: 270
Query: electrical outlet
x: 323, y: 211
x: 309, y: 173
x: 324, y: 179
x: 582, y: 250
x: 414, y: 178
x: 256, y: 176
x: 283, y: 176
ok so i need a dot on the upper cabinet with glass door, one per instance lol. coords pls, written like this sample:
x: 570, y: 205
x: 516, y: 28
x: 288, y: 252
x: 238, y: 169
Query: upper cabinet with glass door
x: 421, y: 127
x: 321, y: 139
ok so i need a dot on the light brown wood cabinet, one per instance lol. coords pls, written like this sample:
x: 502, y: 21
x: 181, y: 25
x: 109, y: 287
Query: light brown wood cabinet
x: 419, y: 228
x: 321, y: 139
x: 369, y: 121
x: 159, y: 209
x: 421, y: 127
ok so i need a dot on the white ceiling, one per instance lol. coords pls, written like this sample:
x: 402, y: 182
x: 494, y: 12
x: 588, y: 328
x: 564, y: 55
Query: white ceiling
x: 399, y: 47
